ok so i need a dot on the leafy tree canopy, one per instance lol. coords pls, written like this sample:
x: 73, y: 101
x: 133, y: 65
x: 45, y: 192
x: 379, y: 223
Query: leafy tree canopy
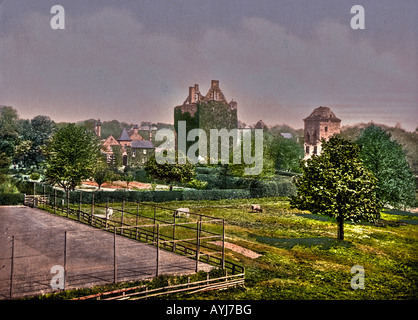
x: 286, y: 153
x: 71, y: 156
x: 9, y: 130
x: 387, y: 160
x: 337, y: 184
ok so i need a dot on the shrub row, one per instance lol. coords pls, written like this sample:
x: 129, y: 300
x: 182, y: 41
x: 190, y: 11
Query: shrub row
x: 11, y: 199
x: 255, y: 189
x: 156, y: 196
x: 275, y: 188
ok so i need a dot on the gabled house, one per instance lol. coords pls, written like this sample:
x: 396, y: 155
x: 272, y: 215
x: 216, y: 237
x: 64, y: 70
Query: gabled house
x: 134, y: 149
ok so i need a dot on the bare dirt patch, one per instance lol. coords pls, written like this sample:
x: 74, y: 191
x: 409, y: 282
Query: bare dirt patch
x: 241, y: 250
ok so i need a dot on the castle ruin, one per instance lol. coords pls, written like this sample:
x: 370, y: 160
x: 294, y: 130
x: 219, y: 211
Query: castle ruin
x: 320, y: 124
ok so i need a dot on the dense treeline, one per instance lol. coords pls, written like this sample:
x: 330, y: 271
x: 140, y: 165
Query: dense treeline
x: 23, y: 152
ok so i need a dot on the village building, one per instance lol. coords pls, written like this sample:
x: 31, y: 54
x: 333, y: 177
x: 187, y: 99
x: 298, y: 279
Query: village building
x: 133, y: 148
x: 320, y: 124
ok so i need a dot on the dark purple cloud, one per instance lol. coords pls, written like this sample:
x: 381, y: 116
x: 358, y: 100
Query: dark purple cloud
x: 134, y: 60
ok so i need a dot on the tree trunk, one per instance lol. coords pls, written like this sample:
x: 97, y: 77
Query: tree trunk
x: 340, y: 231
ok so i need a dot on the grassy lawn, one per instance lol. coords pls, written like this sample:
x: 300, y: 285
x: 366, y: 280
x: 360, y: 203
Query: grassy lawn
x: 301, y: 258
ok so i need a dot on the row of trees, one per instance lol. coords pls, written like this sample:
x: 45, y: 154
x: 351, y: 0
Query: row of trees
x: 343, y: 181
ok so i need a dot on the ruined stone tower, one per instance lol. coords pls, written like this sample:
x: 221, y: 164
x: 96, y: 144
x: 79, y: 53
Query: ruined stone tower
x: 321, y: 123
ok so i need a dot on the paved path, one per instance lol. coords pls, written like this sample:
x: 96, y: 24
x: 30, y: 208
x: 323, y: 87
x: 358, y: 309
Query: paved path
x: 39, y: 242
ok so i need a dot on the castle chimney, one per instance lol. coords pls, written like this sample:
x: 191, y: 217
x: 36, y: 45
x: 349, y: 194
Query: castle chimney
x: 135, y: 128
x: 192, y: 96
x: 215, y: 83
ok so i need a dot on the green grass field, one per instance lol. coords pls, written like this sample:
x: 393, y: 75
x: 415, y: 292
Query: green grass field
x: 300, y: 256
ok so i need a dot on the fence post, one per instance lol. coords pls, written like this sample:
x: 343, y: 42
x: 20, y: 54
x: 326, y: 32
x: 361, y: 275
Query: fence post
x: 107, y: 209
x: 153, y: 229
x: 174, y: 233
x: 121, y: 218
x: 55, y: 201
x: 158, y: 249
x: 223, y: 243
x: 115, y: 272
x: 44, y: 201
x: 34, y: 194
x: 65, y: 259
x: 198, y: 244
x: 136, y: 221
x: 92, y: 209
x: 68, y: 202
x: 79, y: 204
x: 12, y: 266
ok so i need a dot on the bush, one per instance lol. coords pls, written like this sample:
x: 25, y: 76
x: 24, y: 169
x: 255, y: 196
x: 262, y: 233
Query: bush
x: 197, y: 184
x: 275, y: 188
x: 35, y: 176
x: 11, y: 199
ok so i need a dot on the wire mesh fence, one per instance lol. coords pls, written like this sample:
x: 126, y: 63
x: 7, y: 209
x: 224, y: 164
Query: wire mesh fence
x: 44, y: 263
x: 130, y: 241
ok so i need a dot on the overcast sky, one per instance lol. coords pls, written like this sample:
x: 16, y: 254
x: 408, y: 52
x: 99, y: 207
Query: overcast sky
x: 133, y: 60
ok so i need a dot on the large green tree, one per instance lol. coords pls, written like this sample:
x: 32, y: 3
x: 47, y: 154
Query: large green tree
x: 337, y: 184
x: 385, y: 157
x: 71, y: 156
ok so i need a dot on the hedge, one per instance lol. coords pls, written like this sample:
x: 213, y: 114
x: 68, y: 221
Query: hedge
x: 274, y: 188
x: 156, y: 196
x: 11, y: 199
x: 256, y: 189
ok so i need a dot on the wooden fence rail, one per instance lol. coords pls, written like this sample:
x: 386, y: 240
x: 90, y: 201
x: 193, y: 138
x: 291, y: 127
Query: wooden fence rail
x: 142, y: 292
